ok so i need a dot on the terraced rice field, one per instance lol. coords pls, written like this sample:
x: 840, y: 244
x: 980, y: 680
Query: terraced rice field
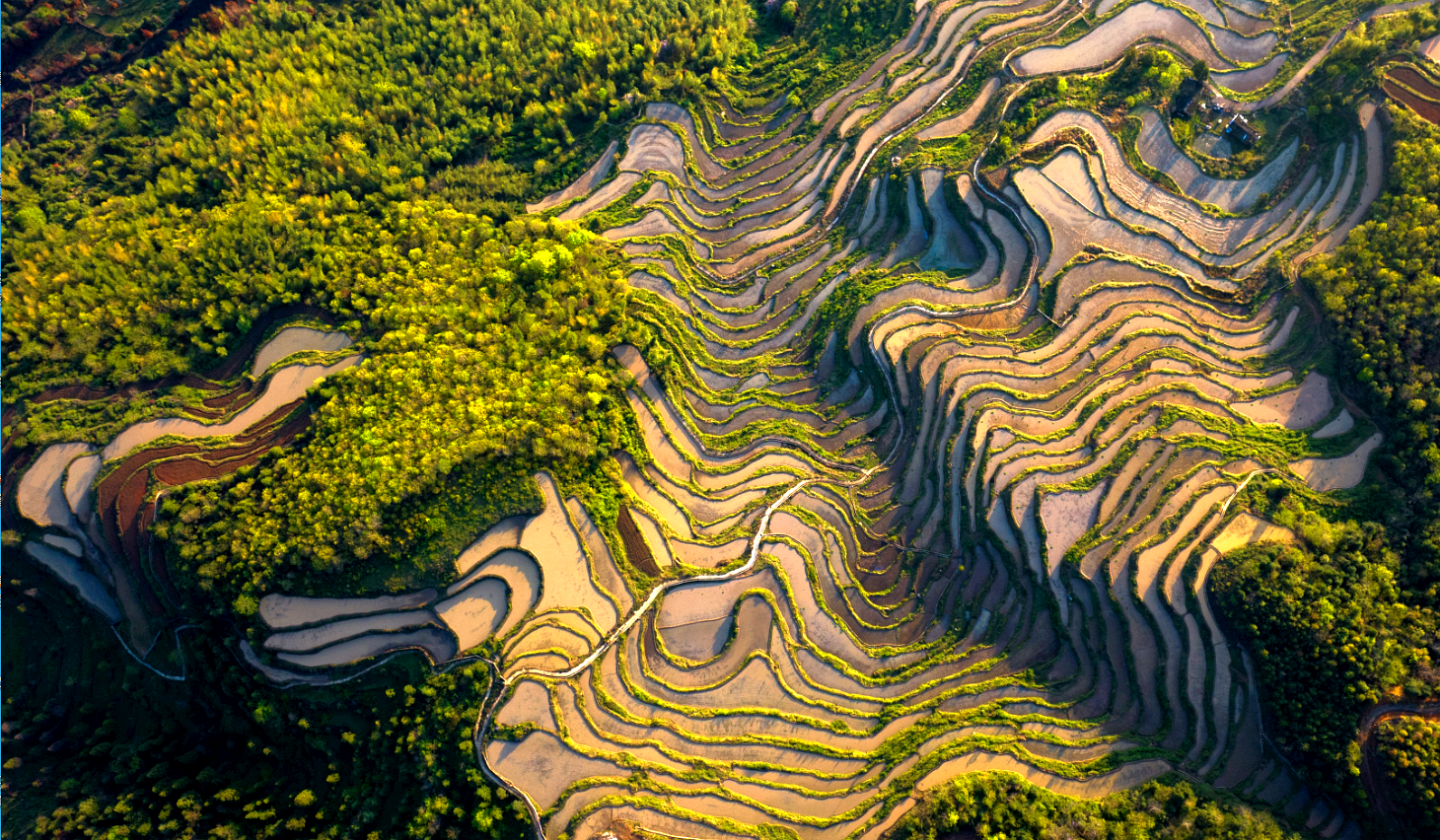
x: 965, y: 527
x: 991, y: 547
x: 1415, y: 91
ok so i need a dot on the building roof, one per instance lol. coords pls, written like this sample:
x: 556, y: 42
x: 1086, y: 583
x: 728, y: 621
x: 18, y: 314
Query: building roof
x: 1187, y: 98
x: 1240, y: 129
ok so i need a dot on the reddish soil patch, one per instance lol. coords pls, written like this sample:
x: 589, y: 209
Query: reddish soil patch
x: 125, y: 515
x: 205, y: 465
x: 129, y: 502
x: 266, y: 428
x: 1426, y: 109
x: 635, y: 546
x: 160, y: 570
x: 235, y: 399
x: 1416, y: 81
x: 120, y: 493
x: 213, y: 464
x: 186, y: 470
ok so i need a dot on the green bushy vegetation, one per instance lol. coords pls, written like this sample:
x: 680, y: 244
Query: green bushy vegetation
x: 98, y: 747
x: 999, y: 806
x: 361, y: 159
x: 856, y: 24
x: 1410, y: 750
x: 1347, y: 619
x: 367, y: 159
x: 1143, y: 78
x: 1381, y: 291
x: 1356, y: 66
x: 1331, y: 635
x: 150, y: 220
x: 806, y: 50
x: 493, y: 347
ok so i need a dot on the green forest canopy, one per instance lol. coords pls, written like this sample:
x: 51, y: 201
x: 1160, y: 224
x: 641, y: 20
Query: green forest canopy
x: 360, y: 159
x: 492, y: 346
x: 229, y: 174
x: 1000, y: 806
x: 345, y: 156
x: 1410, y: 753
x: 1330, y: 636
x: 1381, y: 291
x: 222, y: 756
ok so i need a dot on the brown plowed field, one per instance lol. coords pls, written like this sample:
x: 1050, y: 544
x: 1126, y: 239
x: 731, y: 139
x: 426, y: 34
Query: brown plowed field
x: 185, y: 470
x: 235, y: 399
x: 128, y: 504
x: 121, y: 495
x: 1416, y: 81
x: 635, y: 547
x: 1426, y: 109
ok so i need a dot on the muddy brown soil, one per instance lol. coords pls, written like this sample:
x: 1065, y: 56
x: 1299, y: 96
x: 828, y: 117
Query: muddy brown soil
x: 1426, y: 109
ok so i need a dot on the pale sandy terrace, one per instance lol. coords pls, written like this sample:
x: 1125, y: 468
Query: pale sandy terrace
x: 971, y: 419
x: 315, y: 637
x: 41, y: 496
x: 1111, y: 38
x: 1157, y: 148
x: 583, y: 185
x: 284, y: 611
x: 1430, y: 48
x: 66, y: 567
x: 293, y: 340
x: 285, y: 386
x: 1343, y: 473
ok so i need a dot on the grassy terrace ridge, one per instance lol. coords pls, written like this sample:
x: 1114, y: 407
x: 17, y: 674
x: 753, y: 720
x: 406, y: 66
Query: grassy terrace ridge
x: 894, y: 421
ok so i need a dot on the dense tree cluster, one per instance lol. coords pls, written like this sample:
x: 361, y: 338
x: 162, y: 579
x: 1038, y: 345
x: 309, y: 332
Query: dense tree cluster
x: 343, y: 158
x: 1381, y: 291
x: 493, y: 347
x: 1410, y: 750
x: 1330, y: 636
x: 1348, y: 621
x: 98, y: 747
x: 999, y: 806
x: 1351, y: 68
x: 340, y: 102
x: 232, y: 172
x: 838, y: 23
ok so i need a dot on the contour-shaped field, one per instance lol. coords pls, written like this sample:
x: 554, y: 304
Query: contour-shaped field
x: 960, y: 522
